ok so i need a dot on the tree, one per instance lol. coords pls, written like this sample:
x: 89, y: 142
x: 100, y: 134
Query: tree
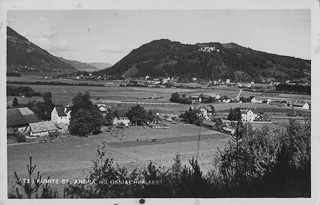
x: 43, y: 109
x: 137, y: 115
x: 213, y: 110
x: 234, y: 114
x: 15, y: 102
x: 191, y: 116
x: 218, y: 124
x: 85, y: 117
x: 109, y: 118
x: 152, y: 115
x: 175, y: 97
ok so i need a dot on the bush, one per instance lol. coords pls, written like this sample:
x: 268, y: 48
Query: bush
x: 96, y: 132
x: 21, y: 138
x: 175, y: 97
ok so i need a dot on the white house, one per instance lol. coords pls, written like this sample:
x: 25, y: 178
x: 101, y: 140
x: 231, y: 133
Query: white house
x: 256, y: 100
x: 248, y: 115
x: 102, y: 107
x: 306, y: 106
x: 203, y: 112
x: 60, y: 114
x: 301, y: 104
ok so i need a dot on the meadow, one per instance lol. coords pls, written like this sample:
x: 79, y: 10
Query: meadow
x: 70, y: 157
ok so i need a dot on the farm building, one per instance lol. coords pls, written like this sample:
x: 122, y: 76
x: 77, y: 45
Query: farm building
x: 121, y: 117
x: 256, y: 100
x: 209, y: 124
x: 302, y: 104
x: 249, y: 114
x: 60, y: 114
x: 206, y: 98
x: 39, y: 129
x: 204, y: 113
x: 63, y: 128
x: 19, y: 118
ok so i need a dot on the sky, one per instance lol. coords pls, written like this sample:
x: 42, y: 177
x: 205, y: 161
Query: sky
x: 109, y: 35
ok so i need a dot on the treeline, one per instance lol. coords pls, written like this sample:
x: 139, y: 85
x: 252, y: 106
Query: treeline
x: 254, y: 163
x: 13, y: 74
x: 21, y: 91
x: 294, y: 88
x: 52, y: 83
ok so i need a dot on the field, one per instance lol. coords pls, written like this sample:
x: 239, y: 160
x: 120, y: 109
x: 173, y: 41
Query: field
x: 134, y: 147
x: 70, y: 157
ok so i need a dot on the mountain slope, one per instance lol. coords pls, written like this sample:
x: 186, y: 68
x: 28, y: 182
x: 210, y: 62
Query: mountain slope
x: 24, y: 56
x: 207, y: 60
x: 100, y: 65
x: 80, y: 65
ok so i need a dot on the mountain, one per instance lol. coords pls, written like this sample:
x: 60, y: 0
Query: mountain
x: 24, y: 56
x: 210, y: 61
x: 80, y: 65
x: 100, y: 65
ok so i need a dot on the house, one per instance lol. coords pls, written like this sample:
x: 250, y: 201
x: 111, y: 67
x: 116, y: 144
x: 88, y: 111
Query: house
x: 307, y: 106
x: 19, y: 118
x: 203, y: 112
x: 216, y: 96
x: 256, y: 100
x: 60, y: 114
x: 102, y: 107
x: 40, y: 129
x: 121, y: 118
x: 63, y: 128
x: 248, y: 115
x: 302, y: 104
x: 204, y: 98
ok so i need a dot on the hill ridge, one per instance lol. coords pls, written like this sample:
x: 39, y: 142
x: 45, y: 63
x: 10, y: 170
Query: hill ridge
x: 210, y: 60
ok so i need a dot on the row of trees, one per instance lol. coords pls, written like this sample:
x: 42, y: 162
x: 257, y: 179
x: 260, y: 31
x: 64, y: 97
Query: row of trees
x: 86, y: 117
x: 294, y: 88
x: 21, y: 91
x: 262, y: 163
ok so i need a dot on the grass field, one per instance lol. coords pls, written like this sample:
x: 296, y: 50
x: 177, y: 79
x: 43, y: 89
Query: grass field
x: 70, y: 157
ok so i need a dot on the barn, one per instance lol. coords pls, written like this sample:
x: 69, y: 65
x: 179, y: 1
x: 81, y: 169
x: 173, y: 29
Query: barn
x: 40, y: 129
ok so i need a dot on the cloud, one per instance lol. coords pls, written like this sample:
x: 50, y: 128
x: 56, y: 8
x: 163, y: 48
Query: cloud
x: 50, y: 34
x: 54, y: 45
x: 114, y: 48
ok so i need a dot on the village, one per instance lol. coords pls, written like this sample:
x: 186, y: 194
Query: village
x: 24, y: 121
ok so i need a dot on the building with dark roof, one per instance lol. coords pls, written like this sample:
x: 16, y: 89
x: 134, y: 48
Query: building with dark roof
x: 19, y: 118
